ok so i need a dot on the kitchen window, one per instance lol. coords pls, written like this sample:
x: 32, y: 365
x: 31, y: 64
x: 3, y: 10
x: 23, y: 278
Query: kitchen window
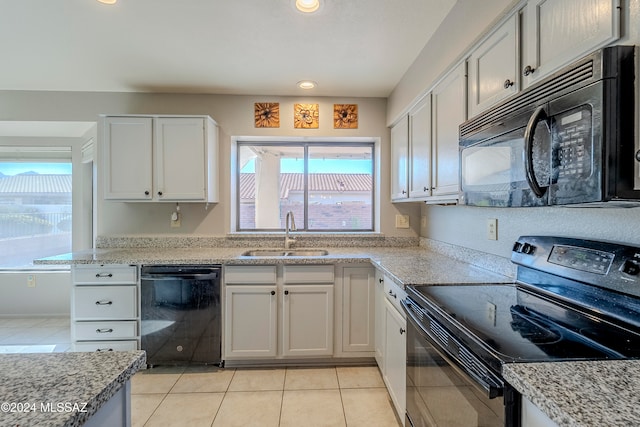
x: 37, y: 211
x: 329, y: 186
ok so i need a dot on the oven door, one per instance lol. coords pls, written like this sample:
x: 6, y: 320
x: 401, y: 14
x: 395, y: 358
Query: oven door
x: 441, y: 394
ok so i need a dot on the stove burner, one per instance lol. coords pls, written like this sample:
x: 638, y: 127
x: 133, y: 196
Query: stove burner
x: 525, y: 325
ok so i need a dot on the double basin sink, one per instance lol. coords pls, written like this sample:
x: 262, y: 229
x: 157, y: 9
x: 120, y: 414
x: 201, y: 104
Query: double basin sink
x: 285, y: 252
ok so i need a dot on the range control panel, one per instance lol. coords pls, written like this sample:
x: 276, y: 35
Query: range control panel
x: 605, y: 264
x: 581, y: 259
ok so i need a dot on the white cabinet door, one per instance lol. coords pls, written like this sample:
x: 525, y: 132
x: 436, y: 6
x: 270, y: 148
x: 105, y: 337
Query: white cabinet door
x: 494, y: 68
x: 250, y: 321
x: 180, y: 159
x: 395, y: 357
x: 358, y: 309
x: 127, y: 158
x: 448, y: 112
x: 379, y: 320
x: 561, y: 31
x: 400, y: 159
x: 307, y: 317
x: 420, y: 149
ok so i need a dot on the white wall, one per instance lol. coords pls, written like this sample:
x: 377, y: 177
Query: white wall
x: 235, y: 117
x: 465, y: 225
x: 50, y: 297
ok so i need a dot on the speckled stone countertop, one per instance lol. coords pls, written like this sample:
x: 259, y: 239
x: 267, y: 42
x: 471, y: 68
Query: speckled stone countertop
x: 47, y: 380
x: 581, y: 394
x: 405, y: 266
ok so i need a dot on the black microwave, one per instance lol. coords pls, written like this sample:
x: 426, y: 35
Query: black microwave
x: 568, y: 140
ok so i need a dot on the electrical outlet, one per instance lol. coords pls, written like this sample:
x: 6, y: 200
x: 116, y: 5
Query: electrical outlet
x: 402, y: 221
x: 176, y: 220
x: 31, y: 281
x: 492, y: 229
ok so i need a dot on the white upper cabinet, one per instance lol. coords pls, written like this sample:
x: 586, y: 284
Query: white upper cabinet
x: 493, y: 68
x: 400, y: 159
x: 127, y: 153
x: 448, y: 112
x: 420, y: 149
x: 160, y: 159
x: 558, y: 32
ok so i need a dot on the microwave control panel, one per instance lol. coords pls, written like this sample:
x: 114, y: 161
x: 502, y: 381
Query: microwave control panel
x: 571, y: 143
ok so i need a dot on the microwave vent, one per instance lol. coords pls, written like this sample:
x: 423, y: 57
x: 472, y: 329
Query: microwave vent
x: 557, y: 84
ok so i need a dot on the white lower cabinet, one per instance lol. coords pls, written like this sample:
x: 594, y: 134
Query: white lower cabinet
x: 391, y: 340
x: 358, y: 309
x: 532, y: 416
x: 307, y: 320
x: 274, y: 312
x: 104, y: 308
x: 251, y: 321
x: 395, y: 359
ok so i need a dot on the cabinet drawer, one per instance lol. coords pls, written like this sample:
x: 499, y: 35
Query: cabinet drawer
x: 96, y: 331
x: 105, y: 302
x: 105, y: 345
x: 394, y: 294
x: 308, y: 274
x: 250, y: 274
x: 110, y: 274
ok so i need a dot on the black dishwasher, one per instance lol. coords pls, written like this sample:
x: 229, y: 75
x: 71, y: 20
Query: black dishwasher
x: 181, y: 314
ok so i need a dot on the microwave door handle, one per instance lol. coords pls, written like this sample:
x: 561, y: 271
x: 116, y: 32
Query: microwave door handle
x: 538, y: 115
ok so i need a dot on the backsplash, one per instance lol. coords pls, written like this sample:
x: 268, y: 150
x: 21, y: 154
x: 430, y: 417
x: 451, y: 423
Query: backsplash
x: 254, y: 241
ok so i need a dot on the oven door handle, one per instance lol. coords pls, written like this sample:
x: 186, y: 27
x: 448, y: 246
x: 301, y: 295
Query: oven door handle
x: 538, y: 115
x: 492, y: 387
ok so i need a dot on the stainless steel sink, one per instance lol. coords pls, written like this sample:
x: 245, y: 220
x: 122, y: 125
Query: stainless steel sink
x: 287, y: 252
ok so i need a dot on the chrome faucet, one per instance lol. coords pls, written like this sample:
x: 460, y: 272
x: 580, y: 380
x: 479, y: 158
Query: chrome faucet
x: 289, y: 225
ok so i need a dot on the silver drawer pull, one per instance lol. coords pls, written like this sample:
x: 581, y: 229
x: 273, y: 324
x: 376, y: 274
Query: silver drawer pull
x: 392, y: 294
x: 104, y: 302
x: 104, y: 349
x: 102, y: 275
x: 104, y: 330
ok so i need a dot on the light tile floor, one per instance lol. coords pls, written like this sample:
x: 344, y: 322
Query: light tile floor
x: 205, y: 396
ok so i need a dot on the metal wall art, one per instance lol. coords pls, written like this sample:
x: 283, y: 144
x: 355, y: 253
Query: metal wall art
x: 305, y: 116
x: 345, y: 116
x: 267, y: 114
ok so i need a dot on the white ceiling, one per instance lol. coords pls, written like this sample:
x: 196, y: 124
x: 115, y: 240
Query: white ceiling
x: 251, y: 47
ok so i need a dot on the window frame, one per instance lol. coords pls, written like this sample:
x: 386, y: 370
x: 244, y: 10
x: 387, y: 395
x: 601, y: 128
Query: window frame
x: 82, y: 173
x: 306, y: 143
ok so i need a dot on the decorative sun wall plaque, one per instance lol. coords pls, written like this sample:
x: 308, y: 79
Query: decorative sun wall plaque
x: 267, y: 114
x: 345, y: 116
x: 305, y: 116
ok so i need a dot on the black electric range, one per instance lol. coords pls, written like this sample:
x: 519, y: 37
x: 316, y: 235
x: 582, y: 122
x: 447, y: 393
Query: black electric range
x: 572, y: 300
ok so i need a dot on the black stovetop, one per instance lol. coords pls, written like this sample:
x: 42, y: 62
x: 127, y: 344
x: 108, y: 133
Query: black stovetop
x: 547, y: 315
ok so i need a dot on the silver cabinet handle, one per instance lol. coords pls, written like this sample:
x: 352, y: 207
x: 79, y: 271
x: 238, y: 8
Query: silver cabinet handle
x: 104, y: 330
x: 392, y: 294
x: 104, y: 302
x: 528, y: 70
x: 508, y: 83
x: 104, y: 349
x: 103, y: 275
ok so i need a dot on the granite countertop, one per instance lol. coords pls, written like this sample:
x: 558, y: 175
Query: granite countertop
x: 61, y: 389
x: 583, y: 393
x: 405, y: 266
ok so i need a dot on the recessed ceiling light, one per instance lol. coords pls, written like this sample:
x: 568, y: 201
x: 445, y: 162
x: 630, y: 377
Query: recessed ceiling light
x: 108, y: 1
x: 307, y: 84
x: 307, y: 6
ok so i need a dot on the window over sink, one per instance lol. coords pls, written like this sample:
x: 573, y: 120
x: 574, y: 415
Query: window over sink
x: 328, y: 186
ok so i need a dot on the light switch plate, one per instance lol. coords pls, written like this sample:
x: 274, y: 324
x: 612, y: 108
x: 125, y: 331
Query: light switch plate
x: 402, y: 221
